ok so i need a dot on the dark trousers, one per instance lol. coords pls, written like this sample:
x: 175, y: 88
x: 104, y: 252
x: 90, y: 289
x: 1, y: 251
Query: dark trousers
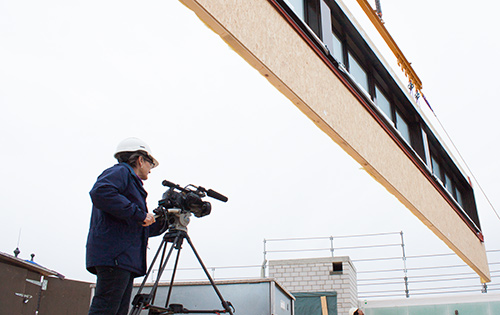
x: 112, y: 292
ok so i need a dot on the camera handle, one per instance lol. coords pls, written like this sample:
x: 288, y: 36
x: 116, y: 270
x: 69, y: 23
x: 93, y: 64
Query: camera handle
x: 144, y: 301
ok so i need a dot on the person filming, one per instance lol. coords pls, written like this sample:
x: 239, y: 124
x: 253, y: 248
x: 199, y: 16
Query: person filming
x: 120, y: 226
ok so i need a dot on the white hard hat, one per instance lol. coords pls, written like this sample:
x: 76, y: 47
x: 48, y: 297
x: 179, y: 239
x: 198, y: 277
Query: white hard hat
x: 135, y: 144
x: 352, y: 310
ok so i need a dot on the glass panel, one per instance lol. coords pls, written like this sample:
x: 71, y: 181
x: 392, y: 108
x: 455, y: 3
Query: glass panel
x: 326, y: 25
x: 402, y: 127
x: 330, y: 40
x: 426, y: 148
x: 297, y: 6
x: 338, y: 52
x: 448, y: 184
x: 383, y: 103
x: 436, y: 170
x: 459, y: 197
x: 358, y: 73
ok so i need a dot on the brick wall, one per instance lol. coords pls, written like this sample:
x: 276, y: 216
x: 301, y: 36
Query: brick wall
x: 319, y: 275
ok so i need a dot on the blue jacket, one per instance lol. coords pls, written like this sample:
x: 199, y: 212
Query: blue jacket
x: 116, y: 236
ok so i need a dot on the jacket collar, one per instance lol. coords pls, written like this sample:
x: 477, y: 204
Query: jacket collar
x: 133, y: 172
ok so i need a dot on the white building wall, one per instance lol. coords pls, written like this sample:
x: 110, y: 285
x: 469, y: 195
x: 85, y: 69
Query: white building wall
x: 317, y: 275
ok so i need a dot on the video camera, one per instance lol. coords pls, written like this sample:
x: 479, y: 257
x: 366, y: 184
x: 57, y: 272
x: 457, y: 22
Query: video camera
x: 173, y: 212
x: 178, y: 203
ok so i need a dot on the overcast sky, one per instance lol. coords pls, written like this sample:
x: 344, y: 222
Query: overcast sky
x: 76, y: 77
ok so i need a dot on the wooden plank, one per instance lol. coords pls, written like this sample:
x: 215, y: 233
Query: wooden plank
x: 324, y: 306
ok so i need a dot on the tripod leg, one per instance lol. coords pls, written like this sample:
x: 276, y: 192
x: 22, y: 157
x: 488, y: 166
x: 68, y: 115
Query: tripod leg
x: 225, y: 303
x: 163, y: 265
x: 142, y: 300
x: 163, y: 246
x: 179, y: 247
x: 158, y: 276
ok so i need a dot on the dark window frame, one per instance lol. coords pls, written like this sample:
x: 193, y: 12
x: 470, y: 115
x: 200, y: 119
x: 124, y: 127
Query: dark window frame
x: 354, y: 43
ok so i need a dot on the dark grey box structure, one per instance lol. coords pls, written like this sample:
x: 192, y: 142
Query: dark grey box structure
x: 249, y: 297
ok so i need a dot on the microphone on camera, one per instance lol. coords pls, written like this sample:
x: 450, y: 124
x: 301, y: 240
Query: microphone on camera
x: 216, y: 195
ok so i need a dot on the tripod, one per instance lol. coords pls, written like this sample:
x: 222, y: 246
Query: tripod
x: 144, y: 300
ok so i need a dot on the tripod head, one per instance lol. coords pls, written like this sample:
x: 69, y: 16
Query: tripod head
x: 178, y: 203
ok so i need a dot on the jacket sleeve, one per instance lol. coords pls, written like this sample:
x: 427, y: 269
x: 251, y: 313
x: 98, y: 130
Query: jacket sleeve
x: 157, y: 228
x: 108, y: 195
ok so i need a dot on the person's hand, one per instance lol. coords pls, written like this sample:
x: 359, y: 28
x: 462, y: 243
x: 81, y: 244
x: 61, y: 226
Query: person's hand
x: 150, y: 219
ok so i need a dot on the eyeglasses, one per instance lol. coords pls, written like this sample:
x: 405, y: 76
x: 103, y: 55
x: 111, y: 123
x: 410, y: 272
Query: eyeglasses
x: 149, y: 160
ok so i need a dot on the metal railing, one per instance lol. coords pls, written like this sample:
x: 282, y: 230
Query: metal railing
x: 384, y: 270
x: 393, y: 273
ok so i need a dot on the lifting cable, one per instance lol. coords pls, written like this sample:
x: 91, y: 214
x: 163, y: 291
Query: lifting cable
x: 461, y: 157
x: 376, y: 18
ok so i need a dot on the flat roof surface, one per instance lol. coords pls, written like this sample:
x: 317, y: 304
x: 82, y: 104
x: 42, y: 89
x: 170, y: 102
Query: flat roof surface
x: 30, y: 265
